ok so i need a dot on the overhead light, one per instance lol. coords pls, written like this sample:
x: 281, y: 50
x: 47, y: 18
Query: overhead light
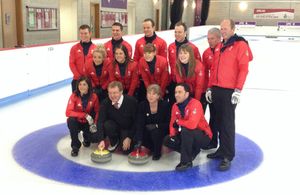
x: 243, y: 6
x: 185, y: 4
x: 194, y: 5
x: 155, y: 1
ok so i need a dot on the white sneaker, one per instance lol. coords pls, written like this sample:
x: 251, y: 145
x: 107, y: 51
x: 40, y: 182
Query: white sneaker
x: 113, y: 148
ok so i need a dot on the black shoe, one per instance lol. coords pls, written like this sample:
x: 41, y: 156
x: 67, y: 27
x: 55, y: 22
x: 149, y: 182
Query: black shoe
x: 224, y: 165
x: 184, y: 166
x: 86, y: 143
x: 74, y: 152
x: 156, y: 157
x: 214, y: 155
x: 195, y: 154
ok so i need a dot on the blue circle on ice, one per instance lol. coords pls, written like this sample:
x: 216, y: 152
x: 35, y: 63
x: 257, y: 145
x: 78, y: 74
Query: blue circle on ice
x: 37, y: 152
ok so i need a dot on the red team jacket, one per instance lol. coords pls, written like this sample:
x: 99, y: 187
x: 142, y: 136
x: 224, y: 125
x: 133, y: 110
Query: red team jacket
x: 77, y: 59
x: 193, y: 119
x: 230, y: 67
x: 109, y: 49
x: 160, y: 76
x: 90, y: 71
x: 159, y: 44
x: 207, y: 60
x: 131, y: 79
x: 196, y: 82
x: 173, y: 57
x: 75, y: 109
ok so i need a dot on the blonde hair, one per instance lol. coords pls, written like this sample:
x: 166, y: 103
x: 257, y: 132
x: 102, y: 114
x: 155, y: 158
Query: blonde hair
x: 192, y: 61
x: 100, y: 49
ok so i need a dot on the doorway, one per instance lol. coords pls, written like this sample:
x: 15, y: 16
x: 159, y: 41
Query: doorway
x: 95, y: 20
x: 157, y: 24
x: 12, y: 23
x: 68, y: 20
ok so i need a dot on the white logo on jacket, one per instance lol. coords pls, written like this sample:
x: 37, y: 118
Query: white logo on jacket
x: 79, y: 104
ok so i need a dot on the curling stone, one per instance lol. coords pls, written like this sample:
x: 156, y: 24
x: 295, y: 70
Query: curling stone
x: 101, y: 156
x: 138, y: 158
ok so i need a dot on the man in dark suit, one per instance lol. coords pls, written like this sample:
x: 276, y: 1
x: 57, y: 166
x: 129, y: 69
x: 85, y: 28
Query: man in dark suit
x: 117, y: 119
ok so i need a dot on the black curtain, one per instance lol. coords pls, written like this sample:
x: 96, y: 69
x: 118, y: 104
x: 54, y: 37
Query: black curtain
x: 204, y: 11
x: 176, y: 12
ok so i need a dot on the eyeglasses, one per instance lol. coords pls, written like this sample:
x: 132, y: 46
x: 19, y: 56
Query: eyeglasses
x: 113, y: 93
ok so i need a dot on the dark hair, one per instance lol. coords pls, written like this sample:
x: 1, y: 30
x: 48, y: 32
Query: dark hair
x: 84, y: 26
x: 88, y: 81
x: 192, y: 61
x: 185, y: 86
x: 181, y: 24
x: 118, y: 24
x: 127, y: 57
x: 149, y: 20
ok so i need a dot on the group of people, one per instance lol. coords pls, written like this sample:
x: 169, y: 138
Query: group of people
x: 159, y: 95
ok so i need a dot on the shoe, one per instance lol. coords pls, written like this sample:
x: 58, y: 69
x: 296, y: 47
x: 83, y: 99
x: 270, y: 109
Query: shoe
x: 214, y: 156
x: 195, y: 154
x: 224, y: 165
x: 184, y: 166
x: 156, y: 157
x: 113, y: 148
x: 74, y: 152
x: 86, y: 143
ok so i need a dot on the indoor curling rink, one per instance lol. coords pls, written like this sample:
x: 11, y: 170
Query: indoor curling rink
x: 35, y: 145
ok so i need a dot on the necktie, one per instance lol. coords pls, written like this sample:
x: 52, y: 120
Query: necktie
x: 116, y: 105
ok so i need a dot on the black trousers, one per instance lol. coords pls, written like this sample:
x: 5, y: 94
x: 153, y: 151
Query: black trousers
x: 75, y: 127
x: 153, y: 140
x: 115, y: 133
x: 190, y: 141
x: 212, y: 124
x: 225, y: 121
x: 102, y: 94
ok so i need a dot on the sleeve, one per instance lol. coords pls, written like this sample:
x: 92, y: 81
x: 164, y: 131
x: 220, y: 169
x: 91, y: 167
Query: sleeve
x: 173, y: 119
x: 108, y: 64
x: 243, y: 63
x: 140, y: 122
x: 70, y: 111
x: 197, y: 54
x: 194, y: 117
x: 129, y: 50
x: 72, y: 63
x: 136, y: 56
x: 111, y: 74
x: 96, y: 107
x: 165, y: 77
x: 134, y: 79
x: 143, y: 73
x: 163, y: 49
x: 200, y: 77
